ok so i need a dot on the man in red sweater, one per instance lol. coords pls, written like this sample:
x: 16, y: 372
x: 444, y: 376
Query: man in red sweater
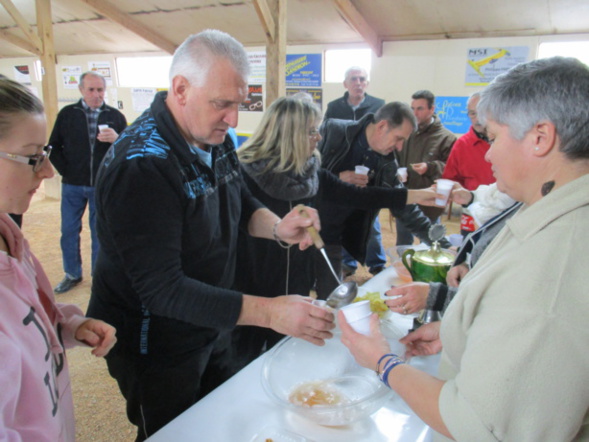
x: 466, y: 163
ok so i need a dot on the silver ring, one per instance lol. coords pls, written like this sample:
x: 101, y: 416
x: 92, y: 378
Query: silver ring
x: 404, y: 310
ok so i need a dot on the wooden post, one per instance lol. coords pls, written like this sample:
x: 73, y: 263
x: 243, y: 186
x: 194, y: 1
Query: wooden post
x: 48, y: 60
x: 272, y: 14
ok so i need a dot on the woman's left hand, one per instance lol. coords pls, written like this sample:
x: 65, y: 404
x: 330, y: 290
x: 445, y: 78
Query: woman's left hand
x: 97, y: 334
x: 367, y: 350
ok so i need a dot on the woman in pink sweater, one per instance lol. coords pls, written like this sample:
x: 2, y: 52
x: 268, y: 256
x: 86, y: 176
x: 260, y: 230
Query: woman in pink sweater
x: 35, y: 391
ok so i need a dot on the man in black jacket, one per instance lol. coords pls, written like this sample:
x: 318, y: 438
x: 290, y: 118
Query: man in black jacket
x: 356, y: 102
x: 82, y: 134
x: 371, y: 142
x: 352, y: 106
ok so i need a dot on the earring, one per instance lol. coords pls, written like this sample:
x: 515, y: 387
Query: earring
x: 537, y: 148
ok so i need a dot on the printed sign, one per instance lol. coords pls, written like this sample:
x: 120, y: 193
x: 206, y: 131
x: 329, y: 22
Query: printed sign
x: 303, y: 70
x: 453, y: 113
x: 484, y: 64
x: 316, y: 94
x: 254, y: 101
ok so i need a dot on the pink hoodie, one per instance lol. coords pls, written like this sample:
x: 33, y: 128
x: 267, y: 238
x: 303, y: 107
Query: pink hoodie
x: 35, y: 392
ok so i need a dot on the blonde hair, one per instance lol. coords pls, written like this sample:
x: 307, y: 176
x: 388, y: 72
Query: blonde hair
x: 282, y: 138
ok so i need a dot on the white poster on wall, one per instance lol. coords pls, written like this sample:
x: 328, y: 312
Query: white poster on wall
x: 142, y: 98
x: 103, y: 68
x: 22, y: 75
x: 70, y: 76
x: 257, y: 62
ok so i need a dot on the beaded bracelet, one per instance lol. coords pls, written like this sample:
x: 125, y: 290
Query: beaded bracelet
x: 281, y: 243
x: 392, y: 360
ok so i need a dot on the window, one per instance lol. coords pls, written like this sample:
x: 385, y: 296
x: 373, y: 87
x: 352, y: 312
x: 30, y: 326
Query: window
x: 337, y: 62
x: 577, y: 49
x: 144, y: 71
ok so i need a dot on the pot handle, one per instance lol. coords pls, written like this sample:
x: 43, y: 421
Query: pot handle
x: 408, y: 254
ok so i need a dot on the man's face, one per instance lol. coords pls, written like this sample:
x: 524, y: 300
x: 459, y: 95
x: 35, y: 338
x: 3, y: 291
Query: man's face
x: 422, y: 111
x: 92, y: 89
x: 207, y: 111
x: 472, y: 115
x: 356, y: 83
x: 385, y: 140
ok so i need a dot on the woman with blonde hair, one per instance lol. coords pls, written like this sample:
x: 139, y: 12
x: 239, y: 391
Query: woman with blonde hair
x: 35, y: 388
x: 282, y: 168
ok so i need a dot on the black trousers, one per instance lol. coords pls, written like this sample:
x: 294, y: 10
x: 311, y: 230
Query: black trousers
x: 157, y: 391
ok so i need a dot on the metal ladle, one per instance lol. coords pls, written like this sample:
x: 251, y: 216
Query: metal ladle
x: 345, y: 292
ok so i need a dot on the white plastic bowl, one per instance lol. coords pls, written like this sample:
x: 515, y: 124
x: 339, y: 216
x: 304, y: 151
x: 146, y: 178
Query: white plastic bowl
x: 295, y: 362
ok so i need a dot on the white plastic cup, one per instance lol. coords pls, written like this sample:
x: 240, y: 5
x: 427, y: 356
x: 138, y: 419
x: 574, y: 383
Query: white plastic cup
x: 358, y: 316
x: 402, y: 174
x: 443, y: 187
x: 362, y: 170
x: 102, y: 127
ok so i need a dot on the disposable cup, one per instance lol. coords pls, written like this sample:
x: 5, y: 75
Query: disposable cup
x: 362, y: 170
x: 102, y: 127
x: 362, y: 325
x: 443, y: 187
x: 402, y: 174
x: 356, y: 310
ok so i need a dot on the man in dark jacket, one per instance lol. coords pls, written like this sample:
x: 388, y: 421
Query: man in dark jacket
x: 82, y: 134
x: 424, y: 155
x: 170, y: 200
x: 356, y: 102
x: 352, y: 106
x: 371, y: 142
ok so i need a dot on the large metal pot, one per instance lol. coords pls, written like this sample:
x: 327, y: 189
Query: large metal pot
x: 428, y: 265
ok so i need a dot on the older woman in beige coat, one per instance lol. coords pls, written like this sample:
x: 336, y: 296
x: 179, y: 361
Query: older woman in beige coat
x: 514, y: 364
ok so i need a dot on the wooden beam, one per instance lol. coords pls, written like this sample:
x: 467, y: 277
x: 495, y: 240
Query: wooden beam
x: 359, y: 23
x: 17, y: 41
x: 33, y: 38
x: 276, y: 53
x: 266, y: 19
x: 107, y: 9
x: 48, y: 60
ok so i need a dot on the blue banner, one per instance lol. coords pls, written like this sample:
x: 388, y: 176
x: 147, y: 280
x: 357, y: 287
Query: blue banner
x: 303, y: 70
x: 453, y: 113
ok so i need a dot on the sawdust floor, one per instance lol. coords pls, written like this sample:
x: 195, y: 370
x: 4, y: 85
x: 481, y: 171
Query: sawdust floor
x: 99, y: 406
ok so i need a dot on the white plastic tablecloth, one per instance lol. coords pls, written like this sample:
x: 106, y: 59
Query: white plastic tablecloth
x: 239, y: 410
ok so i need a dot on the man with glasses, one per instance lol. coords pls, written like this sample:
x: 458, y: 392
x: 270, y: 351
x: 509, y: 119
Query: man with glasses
x: 82, y: 134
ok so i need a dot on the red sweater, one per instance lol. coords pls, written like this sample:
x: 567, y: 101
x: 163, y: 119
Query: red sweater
x: 466, y: 163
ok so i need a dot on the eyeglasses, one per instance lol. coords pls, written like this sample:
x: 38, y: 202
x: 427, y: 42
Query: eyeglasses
x: 313, y: 133
x: 36, y: 160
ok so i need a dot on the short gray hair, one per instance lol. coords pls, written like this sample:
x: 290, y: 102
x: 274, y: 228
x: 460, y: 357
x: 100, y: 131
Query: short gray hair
x: 198, y: 52
x: 395, y: 113
x: 91, y: 74
x: 552, y: 89
x: 355, y: 68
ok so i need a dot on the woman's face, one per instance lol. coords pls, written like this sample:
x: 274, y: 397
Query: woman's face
x: 510, y: 160
x: 314, y: 136
x: 18, y: 181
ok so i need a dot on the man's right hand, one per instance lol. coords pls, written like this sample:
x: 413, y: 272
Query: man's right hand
x: 291, y: 315
x: 349, y: 176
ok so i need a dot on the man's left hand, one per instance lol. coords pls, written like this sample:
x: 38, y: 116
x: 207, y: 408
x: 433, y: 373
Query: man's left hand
x: 419, y: 168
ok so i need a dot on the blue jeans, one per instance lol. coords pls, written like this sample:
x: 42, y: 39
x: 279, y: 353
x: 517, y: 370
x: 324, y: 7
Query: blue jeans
x: 375, y: 256
x: 73, y: 204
